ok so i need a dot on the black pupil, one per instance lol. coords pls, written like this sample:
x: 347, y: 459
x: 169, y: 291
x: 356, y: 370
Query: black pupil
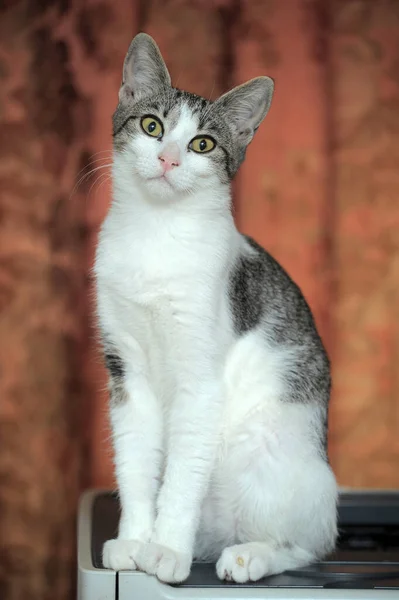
x: 152, y: 126
x: 203, y: 144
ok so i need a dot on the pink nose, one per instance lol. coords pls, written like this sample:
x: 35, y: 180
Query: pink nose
x: 170, y: 157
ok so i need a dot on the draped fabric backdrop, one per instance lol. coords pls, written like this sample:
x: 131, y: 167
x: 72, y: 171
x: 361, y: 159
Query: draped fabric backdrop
x: 319, y: 189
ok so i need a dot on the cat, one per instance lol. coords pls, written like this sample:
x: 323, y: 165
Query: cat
x: 219, y: 382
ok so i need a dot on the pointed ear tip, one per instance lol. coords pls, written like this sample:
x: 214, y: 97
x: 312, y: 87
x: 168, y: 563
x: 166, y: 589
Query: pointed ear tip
x: 142, y: 35
x: 267, y: 81
x: 143, y: 38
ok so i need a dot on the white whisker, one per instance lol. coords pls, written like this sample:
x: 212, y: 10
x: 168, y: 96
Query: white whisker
x: 87, y: 176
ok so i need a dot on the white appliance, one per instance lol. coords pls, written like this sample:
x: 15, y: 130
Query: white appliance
x: 365, y: 565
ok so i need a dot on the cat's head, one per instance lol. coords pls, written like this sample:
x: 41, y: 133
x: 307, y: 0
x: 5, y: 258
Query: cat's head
x: 175, y: 142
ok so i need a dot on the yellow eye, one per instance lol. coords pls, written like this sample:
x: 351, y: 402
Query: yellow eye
x: 152, y: 126
x: 202, y: 144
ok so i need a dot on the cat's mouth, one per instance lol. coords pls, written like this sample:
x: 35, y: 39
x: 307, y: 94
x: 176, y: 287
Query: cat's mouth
x: 161, y: 178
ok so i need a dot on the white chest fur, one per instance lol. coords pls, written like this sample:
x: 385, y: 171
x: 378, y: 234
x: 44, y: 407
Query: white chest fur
x: 161, y: 270
x: 148, y: 254
x: 158, y: 263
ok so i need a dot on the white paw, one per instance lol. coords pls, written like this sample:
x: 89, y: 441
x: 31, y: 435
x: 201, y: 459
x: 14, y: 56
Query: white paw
x: 119, y: 555
x: 169, y: 566
x: 242, y: 563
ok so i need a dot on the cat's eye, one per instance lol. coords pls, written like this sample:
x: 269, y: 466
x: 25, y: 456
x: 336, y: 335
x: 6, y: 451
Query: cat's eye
x: 152, y: 126
x: 202, y: 144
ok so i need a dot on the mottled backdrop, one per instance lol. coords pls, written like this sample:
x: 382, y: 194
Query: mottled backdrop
x: 319, y: 189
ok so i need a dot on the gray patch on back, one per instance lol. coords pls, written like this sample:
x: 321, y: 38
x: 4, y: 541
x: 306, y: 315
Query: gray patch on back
x: 262, y: 295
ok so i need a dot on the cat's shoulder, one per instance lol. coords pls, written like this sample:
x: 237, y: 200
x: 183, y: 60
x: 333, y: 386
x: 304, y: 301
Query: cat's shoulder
x: 260, y: 286
x: 256, y: 260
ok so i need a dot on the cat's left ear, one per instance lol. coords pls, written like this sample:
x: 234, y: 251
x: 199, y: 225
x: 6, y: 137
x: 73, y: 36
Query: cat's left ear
x: 144, y: 70
x: 246, y: 106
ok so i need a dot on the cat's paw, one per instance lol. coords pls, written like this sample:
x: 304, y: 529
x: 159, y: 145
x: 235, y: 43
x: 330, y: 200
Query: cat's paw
x: 242, y: 563
x: 119, y: 555
x: 167, y: 564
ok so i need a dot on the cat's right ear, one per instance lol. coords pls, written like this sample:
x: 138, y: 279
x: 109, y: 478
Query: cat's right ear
x: 144, y: 70
x: 246, y: 106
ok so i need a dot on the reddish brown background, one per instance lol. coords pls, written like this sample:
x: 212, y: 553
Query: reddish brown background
x: 319, y: 189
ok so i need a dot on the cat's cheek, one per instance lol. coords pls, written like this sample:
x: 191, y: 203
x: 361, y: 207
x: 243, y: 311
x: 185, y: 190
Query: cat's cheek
x: 146, y: 165
x: 201, y: 170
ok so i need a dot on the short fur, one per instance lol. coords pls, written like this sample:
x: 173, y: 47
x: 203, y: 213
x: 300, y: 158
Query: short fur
x: 219, y: 380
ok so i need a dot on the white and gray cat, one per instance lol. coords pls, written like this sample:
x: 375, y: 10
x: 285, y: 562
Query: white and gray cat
x: 218, y: 379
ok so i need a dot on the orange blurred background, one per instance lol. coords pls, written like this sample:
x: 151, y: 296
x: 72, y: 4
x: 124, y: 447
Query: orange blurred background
x: 319, y: 189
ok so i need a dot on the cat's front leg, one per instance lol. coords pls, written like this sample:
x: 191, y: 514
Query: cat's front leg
x: 137, y: 438
x: 192, y: 438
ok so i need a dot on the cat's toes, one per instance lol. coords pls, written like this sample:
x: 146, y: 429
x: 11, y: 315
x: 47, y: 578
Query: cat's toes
x: 241, y: 564
x: 168, y: 565
x: 119, y: 555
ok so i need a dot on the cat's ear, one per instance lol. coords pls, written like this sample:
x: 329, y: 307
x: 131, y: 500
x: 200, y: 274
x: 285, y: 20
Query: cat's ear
x: 246, y: 106
x: 144, y: 70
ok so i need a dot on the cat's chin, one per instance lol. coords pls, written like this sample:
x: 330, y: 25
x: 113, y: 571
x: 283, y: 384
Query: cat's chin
x: 158, y: 182
x: 161, y: 188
